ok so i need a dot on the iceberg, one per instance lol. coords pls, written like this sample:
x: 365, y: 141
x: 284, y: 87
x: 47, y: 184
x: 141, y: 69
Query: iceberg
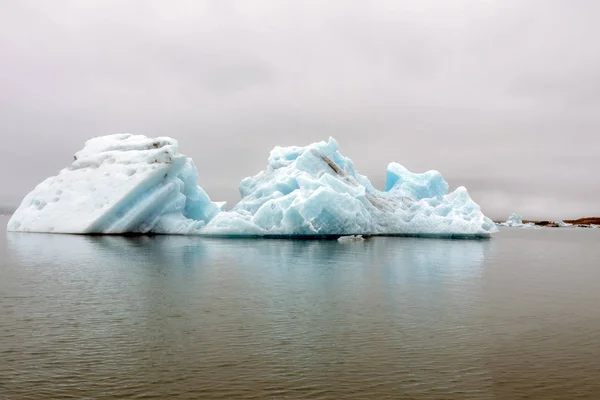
x: 119, y: 184
x: 351, y: 239
x: 133, y: 184
x: 315, y: 190
x: 562, y: 224
x: 516, y: 221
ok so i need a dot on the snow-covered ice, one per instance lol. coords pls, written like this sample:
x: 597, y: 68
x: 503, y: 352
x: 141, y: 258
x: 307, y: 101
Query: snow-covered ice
x: 130, y: 183
x: 119, y: 184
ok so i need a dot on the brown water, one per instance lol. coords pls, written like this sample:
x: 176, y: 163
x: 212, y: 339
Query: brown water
x: 515, y: 317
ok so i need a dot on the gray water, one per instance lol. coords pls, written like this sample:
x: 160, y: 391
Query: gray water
x: 514, y: 317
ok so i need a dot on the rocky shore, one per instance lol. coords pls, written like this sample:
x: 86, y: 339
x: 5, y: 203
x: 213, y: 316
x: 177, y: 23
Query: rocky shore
x: 586, y: 222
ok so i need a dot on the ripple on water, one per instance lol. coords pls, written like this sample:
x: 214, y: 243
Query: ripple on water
x: 179, y: 317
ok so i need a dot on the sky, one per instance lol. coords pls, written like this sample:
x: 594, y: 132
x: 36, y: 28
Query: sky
x: 502, y: 97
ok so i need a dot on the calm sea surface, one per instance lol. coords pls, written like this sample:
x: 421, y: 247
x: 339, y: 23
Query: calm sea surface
x: 515, y: 317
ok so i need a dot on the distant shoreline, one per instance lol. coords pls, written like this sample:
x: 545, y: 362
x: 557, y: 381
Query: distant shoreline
x: 585, y: 222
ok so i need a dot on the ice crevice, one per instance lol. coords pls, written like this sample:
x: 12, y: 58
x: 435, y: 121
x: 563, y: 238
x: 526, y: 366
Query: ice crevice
x: 128, y: 183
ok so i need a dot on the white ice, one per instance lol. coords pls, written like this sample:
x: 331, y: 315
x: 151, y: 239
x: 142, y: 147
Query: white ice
x: 126, y: 183
x: 562, y: 224
x: 119, y: 184
x: 351, y: 239
x: 516, y: 221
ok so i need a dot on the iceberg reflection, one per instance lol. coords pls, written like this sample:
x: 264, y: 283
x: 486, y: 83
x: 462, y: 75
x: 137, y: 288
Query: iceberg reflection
x: 237, y: 312
x: 396, y: 258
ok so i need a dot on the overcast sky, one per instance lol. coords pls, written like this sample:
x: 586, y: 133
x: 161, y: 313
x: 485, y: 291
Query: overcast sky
x: 501, y: 96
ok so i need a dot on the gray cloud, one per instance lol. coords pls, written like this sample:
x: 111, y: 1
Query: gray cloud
x: 500, y: 96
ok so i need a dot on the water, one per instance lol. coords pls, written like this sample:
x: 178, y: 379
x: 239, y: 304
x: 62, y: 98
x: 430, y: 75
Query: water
x: 514, y: 317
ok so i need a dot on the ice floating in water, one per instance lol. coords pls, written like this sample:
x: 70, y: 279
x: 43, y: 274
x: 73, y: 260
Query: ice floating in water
x: 119, y: 184
x: 132, y: 184
x: 516, y: 221
x: 513, y: 221
x: 351, y: 238
x: 315, y: 190
x: 562, y: 224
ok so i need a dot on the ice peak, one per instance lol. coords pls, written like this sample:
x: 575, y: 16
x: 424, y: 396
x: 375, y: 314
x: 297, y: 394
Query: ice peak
x: 131, y: 183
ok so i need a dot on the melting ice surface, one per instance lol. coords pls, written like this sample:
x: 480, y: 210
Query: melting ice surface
x: 133, y: 184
